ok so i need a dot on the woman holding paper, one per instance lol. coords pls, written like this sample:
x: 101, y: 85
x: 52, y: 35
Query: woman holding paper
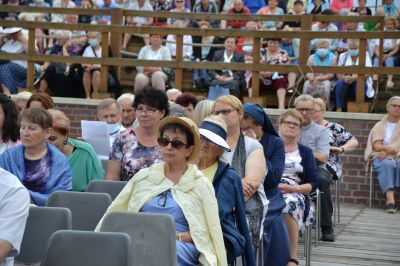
x: 83, y: 160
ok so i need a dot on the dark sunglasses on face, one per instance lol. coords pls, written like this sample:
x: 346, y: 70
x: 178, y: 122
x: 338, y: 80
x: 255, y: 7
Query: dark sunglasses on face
x: 176, y: 144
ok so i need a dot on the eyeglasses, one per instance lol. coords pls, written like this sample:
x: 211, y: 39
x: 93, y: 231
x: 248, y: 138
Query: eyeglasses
x: 202, y: 139
x: 149, y: 111
x: 223, y: 112
x: 178, y: 1
x: 162, y: 201
x: 305, y: 110
x: 290, y: 124
x: 176, y: 144
x: 395, y: 106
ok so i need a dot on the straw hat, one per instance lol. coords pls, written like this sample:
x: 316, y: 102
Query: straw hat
x: 191, y: 126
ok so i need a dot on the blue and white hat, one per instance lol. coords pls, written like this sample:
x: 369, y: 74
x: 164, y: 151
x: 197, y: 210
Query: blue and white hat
x: 214, y: 133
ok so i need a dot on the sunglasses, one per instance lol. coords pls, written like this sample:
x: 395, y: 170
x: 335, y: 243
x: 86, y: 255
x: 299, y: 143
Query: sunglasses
x: 176, y: 144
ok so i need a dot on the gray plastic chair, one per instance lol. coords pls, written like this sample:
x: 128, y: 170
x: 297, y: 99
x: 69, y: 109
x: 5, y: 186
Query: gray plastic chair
x: 42, y: 222
x: 113, y: 188
x: 87, y: 208
x: 83, y: 248
x: 153, y: 236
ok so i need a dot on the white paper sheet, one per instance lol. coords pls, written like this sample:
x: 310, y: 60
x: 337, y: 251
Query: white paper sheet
x: 95, y: 133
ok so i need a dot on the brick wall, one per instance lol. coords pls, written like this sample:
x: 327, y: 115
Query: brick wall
x: 354, y: 187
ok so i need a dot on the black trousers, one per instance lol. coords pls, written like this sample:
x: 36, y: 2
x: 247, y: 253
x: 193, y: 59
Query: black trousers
x: 324, y: 182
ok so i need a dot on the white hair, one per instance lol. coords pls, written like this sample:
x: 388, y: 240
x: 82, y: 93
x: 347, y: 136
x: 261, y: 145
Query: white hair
x: 321, y: 41
x: 355, y: 42
x: 173, y: 91
x: 126, y: 96
x: 392, y: 99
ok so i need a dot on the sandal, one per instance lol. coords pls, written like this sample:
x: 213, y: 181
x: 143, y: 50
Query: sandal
x: 294, y: 261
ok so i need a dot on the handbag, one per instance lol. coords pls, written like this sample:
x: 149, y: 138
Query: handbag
x: 111, y: 80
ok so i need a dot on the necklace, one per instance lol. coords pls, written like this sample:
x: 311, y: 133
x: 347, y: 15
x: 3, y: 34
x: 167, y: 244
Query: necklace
x: 38, y: 157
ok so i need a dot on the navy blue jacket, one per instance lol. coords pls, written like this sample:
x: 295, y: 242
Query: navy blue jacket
x: 229, y: 193
x: 309, y: 174
x: 274, y: 152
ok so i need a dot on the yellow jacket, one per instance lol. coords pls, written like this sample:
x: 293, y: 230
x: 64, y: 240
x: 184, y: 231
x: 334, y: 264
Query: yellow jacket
x: 196, y: 197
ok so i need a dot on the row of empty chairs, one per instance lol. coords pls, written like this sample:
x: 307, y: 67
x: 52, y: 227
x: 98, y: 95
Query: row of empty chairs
x: 126, y: 239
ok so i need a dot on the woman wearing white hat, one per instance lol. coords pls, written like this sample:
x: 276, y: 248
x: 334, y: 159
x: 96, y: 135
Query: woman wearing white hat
x: 226, y: 183
x: 13, y: 73
x: 178, y: 188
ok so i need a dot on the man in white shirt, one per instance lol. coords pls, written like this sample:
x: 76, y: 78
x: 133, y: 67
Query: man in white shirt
x: 14, y: 208
x: 127, y: 110
x: 109, y: 111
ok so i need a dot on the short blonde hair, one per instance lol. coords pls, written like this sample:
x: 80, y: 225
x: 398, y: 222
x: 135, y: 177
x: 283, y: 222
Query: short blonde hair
x: 232, y: 101
x: 23, y: 95
x: 60, y: 120
x: 203, y: 109
x: 393, y: 19
x: 320, y: 103
x: 218, y: 120
x: 291, y: 112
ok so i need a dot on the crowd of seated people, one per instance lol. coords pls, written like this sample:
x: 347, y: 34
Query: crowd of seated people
x: 85, y: 78
x: 160, y: 154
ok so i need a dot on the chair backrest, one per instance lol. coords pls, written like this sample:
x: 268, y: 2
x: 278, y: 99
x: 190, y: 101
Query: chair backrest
x: 42, y: 222
x: 113, y: 188
x: 83, y: 248
x: 87, y: 208
x: 153, y: 236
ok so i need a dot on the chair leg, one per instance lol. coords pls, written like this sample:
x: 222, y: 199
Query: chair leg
x: 335, y: 204
x: 370, y: 186
x: 308, y: 245
x: 317, y: 229
x: 338, y: 200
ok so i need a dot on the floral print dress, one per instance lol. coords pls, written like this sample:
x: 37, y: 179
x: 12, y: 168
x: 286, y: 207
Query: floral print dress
x: 295, y: 202
x: 132, y: 155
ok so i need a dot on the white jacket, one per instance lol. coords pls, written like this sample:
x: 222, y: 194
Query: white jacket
x: 194, y: 194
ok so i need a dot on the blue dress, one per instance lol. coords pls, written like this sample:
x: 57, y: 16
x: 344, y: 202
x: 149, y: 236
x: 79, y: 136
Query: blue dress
x: 164, y: 203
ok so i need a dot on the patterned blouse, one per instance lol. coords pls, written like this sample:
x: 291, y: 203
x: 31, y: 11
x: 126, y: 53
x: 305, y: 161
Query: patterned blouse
x: 338, y: 136
x: 132, y: 155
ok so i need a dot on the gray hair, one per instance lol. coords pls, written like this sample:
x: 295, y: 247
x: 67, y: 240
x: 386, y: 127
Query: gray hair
x: 177, y: 110
x: 97, y: 33
x: 320, y: 41
x: 126, y: 96
x: 107, y: 102
x: 355, y: 42
x: 303, y: 98
x: 62, y: 34
x: 391, y: 100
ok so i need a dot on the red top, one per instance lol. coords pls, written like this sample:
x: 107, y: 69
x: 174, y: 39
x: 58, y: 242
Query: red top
x: 237, y: 24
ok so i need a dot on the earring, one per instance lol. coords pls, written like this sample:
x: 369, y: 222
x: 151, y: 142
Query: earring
x: 65, y: 142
